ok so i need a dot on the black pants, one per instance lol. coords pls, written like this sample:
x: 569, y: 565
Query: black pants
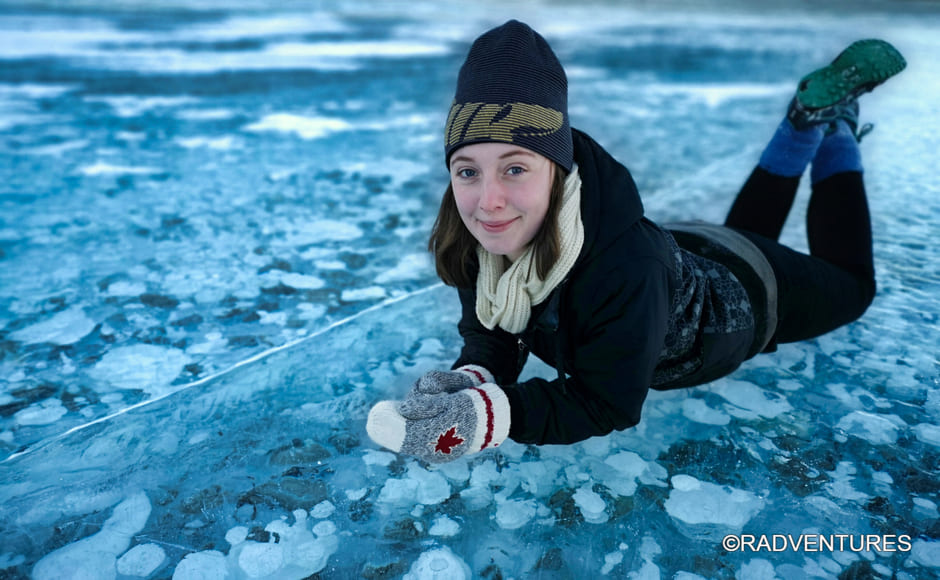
x: 835, y: 284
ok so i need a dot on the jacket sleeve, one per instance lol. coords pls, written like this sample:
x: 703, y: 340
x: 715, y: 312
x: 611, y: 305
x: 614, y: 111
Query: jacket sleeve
x: 618, y: 331
x: 495, y: 350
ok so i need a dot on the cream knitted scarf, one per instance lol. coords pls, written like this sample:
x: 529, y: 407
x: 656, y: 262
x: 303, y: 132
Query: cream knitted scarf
x: 505, y: 296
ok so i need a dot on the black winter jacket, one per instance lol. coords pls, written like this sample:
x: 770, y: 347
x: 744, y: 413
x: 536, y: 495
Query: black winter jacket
x: 635, y: 312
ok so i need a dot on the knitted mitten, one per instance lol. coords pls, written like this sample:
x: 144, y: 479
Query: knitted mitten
x: 452, y: 381
x: 438, y: 426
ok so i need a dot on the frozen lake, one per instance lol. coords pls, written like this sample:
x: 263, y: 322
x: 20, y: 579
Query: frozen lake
x: 212, y: 228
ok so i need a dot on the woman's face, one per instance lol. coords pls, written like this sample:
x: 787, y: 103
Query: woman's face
x: 502, y: 193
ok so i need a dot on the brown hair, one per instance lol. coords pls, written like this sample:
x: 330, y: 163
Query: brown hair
x: 454, y: 247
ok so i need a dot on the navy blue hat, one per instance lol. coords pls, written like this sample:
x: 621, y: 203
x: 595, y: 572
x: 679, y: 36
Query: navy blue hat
x: 512, y: 89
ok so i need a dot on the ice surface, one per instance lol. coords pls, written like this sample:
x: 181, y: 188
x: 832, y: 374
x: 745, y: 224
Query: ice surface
x: 213, y: 224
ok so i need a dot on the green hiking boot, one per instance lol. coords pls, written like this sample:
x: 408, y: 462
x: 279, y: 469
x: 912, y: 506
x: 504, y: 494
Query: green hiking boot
x: 828, y: 94
x: 848, y: 112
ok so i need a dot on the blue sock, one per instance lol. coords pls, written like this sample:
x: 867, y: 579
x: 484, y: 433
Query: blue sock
x: 837, y: 154
x: 790, y: 151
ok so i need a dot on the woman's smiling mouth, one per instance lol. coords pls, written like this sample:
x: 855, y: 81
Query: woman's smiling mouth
x: 496, y: 227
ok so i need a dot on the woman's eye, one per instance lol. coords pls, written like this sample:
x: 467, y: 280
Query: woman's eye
x: 466, y: 173
x: 515, y: 171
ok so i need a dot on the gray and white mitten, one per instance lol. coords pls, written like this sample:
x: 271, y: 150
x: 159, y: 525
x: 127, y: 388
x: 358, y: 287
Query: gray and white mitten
x: 452, y: 381
x: 442, y: 426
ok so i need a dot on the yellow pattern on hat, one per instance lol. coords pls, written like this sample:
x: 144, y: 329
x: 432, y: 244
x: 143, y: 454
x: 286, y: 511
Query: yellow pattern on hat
x: 468, y: 122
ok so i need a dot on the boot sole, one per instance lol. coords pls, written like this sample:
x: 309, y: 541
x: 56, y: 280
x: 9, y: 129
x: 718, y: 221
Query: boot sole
x: 861, y: 67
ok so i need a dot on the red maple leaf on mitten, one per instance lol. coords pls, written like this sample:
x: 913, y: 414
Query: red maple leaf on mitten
x: 448, y: 440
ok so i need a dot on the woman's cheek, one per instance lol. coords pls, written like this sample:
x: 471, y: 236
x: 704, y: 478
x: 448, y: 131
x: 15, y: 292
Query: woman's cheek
x: 465, y: 203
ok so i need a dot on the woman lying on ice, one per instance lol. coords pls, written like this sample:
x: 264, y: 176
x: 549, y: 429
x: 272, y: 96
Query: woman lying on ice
x: 543, y: 234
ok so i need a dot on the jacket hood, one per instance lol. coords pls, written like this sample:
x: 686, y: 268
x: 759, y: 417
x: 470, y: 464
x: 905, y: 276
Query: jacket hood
x: 610, y: 203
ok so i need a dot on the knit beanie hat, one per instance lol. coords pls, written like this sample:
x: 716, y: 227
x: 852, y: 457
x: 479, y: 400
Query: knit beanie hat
x: 512, y: 89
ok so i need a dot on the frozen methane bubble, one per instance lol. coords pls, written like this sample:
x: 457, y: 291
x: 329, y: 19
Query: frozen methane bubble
x: 876, y: 429
x: 927, y: 433
x: 433, y: 487
x: 699, y: 502
x: 398, y: 492
x: 297, y: 553
x: 418, y: 486
x: 145, y: 367
x: 444, y: 526
x: 258, y: 560
x: 380, y: 458
x: 611, y: 560
x: 841, y: 480
x: 748, y: 401
x: 512, y: 514
x: 141, y: 560
x: 410, y: 267
x: 757, y: 569
x: 592, y: 506
x: 926, y: 553
x: 96, y: 555
x: 360, y: 294
x: 236, y: 535
x: 324, y: 509
x: 627, y: 468
x: 42, y: 413
x: 439, y: 564
x: 698, y: 410
x: 66, y: 327
x: 302, y: 281
x: 201, y: 566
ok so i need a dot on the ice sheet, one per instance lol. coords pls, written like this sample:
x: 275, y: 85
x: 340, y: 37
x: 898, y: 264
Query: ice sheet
x: 213, y: 222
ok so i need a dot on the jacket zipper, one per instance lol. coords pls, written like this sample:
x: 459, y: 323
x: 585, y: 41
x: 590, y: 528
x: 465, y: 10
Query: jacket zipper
x: 523, y: 351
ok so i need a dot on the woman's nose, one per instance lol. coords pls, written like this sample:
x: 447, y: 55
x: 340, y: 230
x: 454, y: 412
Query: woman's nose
x: 493, y: 196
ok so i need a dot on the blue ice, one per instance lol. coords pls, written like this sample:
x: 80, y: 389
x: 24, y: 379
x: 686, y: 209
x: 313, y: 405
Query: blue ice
x: 212, y: 230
